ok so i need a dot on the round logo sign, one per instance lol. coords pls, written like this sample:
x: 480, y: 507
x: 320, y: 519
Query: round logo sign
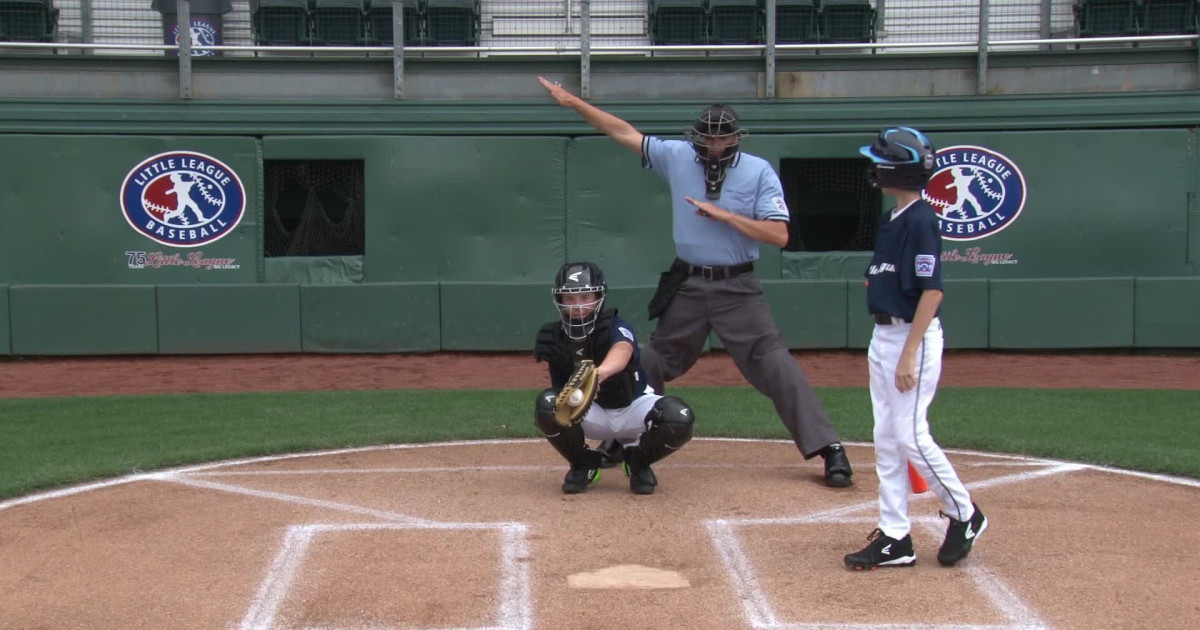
x: 183, y: 199
x: 977, y: 192
x: 203, y: 33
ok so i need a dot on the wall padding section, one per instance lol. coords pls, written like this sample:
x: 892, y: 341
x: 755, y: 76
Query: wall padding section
x: 630, y: 303
x: 229, y: 319
x: 390, y: 317
x: 1166, y: 311
x: 5, y: 332
x: 74, y: 319
x: 1061, y: 313
x: 809, y: 314
x: 965, y: 313
x: 493, y: 317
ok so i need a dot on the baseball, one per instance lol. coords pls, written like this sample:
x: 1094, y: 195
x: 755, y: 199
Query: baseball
x: 576, y: 397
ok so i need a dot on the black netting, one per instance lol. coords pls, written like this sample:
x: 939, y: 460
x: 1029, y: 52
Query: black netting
x: 833, y: 206
x: 313, y: 208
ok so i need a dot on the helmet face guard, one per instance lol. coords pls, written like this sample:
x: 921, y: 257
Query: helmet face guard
x: 901, y: 157
x: 579, y: 317
x: 715, y: 122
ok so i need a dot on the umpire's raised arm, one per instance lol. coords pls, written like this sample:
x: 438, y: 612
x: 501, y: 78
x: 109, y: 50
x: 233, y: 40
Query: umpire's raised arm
x: 613, y: 127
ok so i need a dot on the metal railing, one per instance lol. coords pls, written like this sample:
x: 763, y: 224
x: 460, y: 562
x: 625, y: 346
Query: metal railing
x: 766, y: 29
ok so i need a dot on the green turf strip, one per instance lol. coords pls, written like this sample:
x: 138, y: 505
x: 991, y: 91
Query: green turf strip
x: 48, y: 442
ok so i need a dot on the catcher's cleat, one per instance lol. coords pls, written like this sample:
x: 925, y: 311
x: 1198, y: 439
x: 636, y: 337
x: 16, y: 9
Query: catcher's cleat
x: 837, y: 466
x: 960, y: 537
x: 882, y: 552
x: 641, y: 477
x: 579, y: 478
x: 613, y: 453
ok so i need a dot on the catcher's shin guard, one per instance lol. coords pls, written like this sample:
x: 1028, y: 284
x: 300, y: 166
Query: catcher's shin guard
x: 568, y: 441
x: 668, y: 427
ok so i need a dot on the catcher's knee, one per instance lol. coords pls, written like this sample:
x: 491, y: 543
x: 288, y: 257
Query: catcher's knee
x: 671, y: 420
x: 543, y: 412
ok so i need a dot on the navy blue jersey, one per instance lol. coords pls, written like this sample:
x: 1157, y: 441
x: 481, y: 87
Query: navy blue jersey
x: 907, y: 260
x: 621, y: 331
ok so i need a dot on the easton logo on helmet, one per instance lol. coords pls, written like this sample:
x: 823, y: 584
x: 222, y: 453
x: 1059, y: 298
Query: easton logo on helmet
x: 183, y: 199
x: 976, y: 191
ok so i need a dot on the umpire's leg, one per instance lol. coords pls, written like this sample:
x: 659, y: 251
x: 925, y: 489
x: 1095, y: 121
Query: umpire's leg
x: 739, y: 312
x: 679, y: 337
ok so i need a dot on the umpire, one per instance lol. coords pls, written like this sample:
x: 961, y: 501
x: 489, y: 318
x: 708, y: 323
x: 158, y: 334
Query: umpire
x: 724, y: 203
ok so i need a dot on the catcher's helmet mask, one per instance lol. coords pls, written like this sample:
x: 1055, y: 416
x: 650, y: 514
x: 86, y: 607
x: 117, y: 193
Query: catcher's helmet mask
x: 901, y: 157
x: 715, y: 122
x: 579, y: 319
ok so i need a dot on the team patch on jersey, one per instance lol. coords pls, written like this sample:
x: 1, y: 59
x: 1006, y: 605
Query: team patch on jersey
x: 925, y: 265
x: 183, y: 199
x: 780, y: 204
x: 626, y: 332
x: 976, y: 191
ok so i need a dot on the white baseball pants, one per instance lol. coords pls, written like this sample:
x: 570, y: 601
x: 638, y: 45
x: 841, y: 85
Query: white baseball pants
x: 624, y: 424
x: 902, y: 429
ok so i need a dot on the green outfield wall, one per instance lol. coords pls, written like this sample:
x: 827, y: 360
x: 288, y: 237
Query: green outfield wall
x: 465, y: 228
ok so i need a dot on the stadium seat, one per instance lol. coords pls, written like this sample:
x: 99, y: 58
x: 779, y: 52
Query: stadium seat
x: 735, y: 21
x: 1168, y: 17
x: 452, y: 22
x: 339, y: 22
x: 847, y: 21
x: 1106, y: 18
x: 380, y: 16
x: 677, y: 22
x: 795, y: 22
x: 27, y: 21
x: 280, y: 22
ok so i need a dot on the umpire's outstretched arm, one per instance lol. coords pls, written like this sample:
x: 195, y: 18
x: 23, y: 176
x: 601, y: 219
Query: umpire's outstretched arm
x: 624, y: 133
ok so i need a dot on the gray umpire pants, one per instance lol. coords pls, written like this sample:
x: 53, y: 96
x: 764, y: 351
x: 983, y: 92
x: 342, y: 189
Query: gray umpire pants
x: 737, y: 309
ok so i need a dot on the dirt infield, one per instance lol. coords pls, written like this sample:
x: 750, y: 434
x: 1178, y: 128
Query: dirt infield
x: 159, y: 375
x: 477, y: 535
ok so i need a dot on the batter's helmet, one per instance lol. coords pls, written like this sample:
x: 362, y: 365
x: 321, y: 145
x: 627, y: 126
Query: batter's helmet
x: 579, y: 320
x: 716, y: 121
x: 901, y: 157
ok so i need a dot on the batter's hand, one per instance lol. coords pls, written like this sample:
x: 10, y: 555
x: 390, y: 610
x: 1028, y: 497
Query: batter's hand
x: 710, y: 210
x: 560, y: 94
x: 906, y: 372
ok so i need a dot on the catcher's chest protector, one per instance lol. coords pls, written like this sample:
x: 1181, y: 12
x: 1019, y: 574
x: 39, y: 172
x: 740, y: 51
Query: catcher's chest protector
x: 617, y: 390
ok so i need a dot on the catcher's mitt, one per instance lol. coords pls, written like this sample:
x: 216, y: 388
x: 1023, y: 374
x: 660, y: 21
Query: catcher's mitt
x: 576, y: 397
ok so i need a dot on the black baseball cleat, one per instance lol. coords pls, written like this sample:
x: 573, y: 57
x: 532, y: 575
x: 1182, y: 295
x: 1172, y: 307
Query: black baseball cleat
x: 960, y: 537
x: 641, y: 477
x: 883, y: 552
x: 837, y: 466
x: 612, y: 453
x: 579, y: 478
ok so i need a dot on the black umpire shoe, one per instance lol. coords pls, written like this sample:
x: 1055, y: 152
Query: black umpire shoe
x: 883, y: 552
x: 641, y: 478
x: 837, y: 466
x: 612, y: 452
x: 960, y: 537
x: 579, y: 478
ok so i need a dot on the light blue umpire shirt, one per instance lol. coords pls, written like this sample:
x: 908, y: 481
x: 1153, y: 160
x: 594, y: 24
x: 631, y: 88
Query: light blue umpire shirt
x: 751, y: 189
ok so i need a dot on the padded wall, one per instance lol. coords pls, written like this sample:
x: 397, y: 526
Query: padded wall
x: 1055, y: 313
x: 5, y: 331
x: 75, y: 319
x: 229, y: 319
x: 389, y: 317
x: 494, y: 317
x: 64, y: 219
x: 1167, y: 312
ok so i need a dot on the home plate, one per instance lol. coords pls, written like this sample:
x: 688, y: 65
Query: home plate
x: 628, y: 576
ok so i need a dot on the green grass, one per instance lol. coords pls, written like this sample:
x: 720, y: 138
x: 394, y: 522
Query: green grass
x: 47, y: 442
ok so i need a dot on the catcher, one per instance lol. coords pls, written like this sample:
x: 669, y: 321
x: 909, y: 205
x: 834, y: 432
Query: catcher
x: 599, y: 391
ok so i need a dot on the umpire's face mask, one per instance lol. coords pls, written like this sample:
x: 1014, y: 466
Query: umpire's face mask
x: 715, y: 137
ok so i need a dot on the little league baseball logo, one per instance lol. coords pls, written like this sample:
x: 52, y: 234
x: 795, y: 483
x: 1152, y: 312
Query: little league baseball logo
x: 202, y: 32
x: 977, y: 192
x: 183, y: 199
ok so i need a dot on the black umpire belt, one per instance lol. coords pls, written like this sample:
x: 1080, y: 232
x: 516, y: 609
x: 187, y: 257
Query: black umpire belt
x: 887, y: 320
x: 719, y: 273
